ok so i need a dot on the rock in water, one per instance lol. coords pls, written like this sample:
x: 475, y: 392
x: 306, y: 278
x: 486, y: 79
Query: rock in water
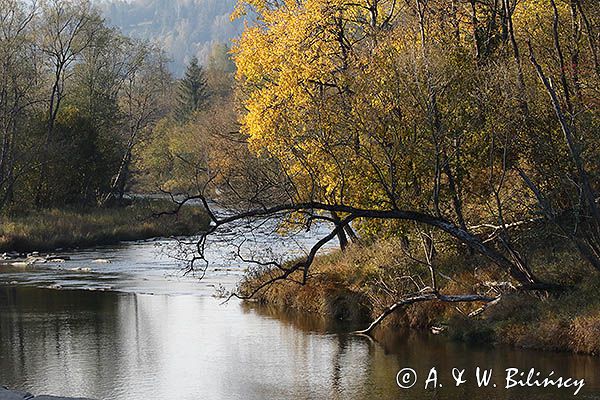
x: 35, y: 260
x: 6, y: 394
x: 55, y: 258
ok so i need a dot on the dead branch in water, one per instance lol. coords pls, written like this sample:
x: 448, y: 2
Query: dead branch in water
x: 423, y: 297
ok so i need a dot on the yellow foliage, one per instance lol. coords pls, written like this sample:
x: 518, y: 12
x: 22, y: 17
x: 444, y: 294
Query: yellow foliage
x: 365, y: 102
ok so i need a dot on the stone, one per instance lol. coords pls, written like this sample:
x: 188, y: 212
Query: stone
x: 55, y: 258
x: 6, y: 394
x: 35, y: 260
x: 9, y: 256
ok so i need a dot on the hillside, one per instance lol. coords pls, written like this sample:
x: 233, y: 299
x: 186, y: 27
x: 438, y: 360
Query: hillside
x: 184, y: 28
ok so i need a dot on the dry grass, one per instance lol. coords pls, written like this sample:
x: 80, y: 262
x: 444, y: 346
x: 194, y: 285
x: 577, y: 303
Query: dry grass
x: 51, y: 229
x: 348, y: 285
x: 584, y: 333
x: 570, y: 322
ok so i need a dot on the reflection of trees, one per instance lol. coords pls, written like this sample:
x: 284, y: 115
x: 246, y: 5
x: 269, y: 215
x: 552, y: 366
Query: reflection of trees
x: 125, y: 346
x: 338, y: 366
x: 49, y: 337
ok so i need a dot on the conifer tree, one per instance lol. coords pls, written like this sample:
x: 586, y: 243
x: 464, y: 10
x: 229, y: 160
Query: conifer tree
x: 193, y: 90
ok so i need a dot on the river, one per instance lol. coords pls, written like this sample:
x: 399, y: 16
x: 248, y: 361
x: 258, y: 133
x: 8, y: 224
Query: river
x: 122, y: 322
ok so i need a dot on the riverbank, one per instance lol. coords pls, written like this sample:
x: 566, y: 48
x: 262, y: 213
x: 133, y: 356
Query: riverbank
x: 48, y: 230
x: 357, y: 285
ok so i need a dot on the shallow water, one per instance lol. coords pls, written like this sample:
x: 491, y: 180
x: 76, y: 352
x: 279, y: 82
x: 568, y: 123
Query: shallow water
x: 157, y: 266
x: 181, y: 343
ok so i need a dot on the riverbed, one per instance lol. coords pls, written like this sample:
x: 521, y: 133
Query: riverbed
x: 124, y: 322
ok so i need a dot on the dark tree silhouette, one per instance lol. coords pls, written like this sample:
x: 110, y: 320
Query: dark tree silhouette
x: 193, y: 90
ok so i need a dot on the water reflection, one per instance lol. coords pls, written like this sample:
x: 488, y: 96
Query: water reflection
x: 108, y: 345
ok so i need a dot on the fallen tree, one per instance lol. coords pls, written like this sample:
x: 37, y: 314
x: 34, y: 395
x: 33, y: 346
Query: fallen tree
x: 298, y: 271
x: 423, y: 297
x: 522, y: 274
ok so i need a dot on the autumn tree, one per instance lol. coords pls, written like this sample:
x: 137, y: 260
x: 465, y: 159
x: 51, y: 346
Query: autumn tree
x: 220, y: 70
x: 76, y: 96
x: 178, y: 156
x: 143, y: 100
x: 66, y: 30
x: 459, y: 116
x: 18, y: 78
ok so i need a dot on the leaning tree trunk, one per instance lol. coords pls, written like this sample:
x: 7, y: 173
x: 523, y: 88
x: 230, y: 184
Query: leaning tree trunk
x: 119, y: 182
x: 520, y: 273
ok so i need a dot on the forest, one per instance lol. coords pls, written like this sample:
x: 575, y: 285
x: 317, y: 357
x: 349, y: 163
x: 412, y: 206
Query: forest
x: 183, y: 28
x: 453, y: 147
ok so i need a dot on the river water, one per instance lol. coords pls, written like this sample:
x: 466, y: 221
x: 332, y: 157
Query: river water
x: 123, y: 322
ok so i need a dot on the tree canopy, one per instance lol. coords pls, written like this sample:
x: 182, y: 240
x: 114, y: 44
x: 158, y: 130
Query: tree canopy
x: 474, y: 114
x: 75, y: 97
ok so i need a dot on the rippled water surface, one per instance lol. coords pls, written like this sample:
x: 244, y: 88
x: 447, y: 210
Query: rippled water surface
x: 147, y: 332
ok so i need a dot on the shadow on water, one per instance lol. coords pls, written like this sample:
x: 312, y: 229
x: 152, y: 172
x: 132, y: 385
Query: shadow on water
x: 310, y: 323
x: 421, y: 351
x: 109, y: 345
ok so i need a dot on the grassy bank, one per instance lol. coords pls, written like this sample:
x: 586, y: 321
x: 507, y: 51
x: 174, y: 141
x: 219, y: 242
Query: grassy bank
x: 358, y: 284
x: 47, y: 230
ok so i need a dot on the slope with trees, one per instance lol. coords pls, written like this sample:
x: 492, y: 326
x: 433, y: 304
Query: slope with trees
x: 183, y: 28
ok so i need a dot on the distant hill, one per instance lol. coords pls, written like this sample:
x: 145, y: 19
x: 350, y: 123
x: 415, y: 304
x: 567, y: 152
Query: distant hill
x: 183, y: 27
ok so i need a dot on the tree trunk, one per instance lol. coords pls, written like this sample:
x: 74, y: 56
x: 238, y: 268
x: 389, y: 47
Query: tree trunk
x: 342, y: 238
x: 520, y: 273
x: 55, y: 100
